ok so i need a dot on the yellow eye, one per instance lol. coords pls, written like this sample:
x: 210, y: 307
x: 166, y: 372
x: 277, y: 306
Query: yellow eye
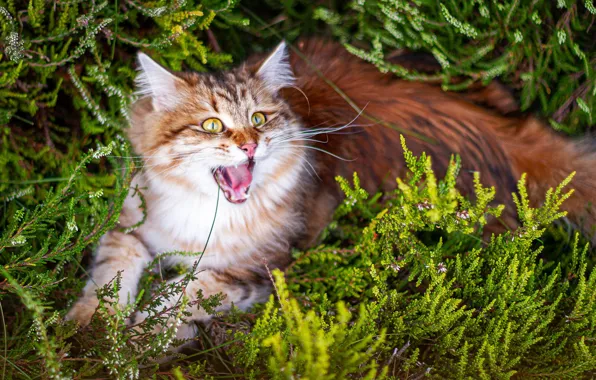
x: 258, y: 119
x: 212, y: 125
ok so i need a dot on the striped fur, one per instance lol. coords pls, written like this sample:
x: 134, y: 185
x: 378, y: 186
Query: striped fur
x: 499, y: 147
x: 289, y: 204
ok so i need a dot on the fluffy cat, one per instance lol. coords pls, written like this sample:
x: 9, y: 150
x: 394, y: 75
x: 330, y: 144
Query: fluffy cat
x: 246, y: 137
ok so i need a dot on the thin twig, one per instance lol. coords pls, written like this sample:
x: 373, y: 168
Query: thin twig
x: 213, y: 41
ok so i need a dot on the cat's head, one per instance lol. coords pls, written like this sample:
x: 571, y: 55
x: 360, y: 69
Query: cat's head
x: 230, y: 130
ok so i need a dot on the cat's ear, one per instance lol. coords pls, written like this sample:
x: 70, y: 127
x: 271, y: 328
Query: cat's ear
x: 276, y: 71
x: 158, y: 83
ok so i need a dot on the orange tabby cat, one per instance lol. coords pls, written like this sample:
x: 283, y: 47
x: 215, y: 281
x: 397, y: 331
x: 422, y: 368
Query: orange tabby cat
x: 248, y: 134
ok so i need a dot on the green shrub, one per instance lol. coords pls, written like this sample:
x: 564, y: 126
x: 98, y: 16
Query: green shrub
x: 403, y: 285
x: 437, y: 299
x: 66, y: 74
x: 543, y: 48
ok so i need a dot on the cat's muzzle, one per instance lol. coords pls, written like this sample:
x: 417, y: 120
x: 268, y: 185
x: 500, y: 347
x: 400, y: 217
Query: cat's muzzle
x: 235, y: 181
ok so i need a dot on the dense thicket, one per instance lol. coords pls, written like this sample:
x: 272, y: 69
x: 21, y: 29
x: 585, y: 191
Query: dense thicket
x: 545, y: 49
x: 404, y: 287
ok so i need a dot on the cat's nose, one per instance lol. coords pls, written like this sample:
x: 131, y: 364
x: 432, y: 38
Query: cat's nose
x: 249, y: 149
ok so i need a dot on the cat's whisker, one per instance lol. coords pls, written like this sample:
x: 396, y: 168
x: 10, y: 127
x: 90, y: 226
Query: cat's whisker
x: 140, y: 156
x: 303, y: 94
x: 310, y: 170
x: 304, y: 163
x: 145, y: 157
x: 155, y: 175
x: 284, y: 132
x: 149, y: 166
x: 333, y: 130
x: 194, y: 158
x: 330, y: 130
x: 158, y: 164
x: 313, y: 169
x: 322, y: 151
x: 321, y: 131
x: 185, y: 170
x: 156, y: 155
x: 287, y: 138
x: 166, y: 173
x: 299, y: 139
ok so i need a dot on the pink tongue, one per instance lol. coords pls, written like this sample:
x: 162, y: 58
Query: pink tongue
x: 239, y: 176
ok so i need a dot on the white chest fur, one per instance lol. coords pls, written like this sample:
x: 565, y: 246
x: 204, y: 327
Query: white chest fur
x: 180, y: 220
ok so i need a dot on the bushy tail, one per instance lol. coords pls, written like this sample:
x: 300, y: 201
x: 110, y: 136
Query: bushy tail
x: 548, y: 158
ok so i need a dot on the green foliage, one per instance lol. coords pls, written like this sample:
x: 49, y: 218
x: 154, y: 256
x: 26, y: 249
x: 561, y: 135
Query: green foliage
x: 453, y: 305
x: 313, y: 345
x: 404, y: 285
x: 543, y: 48
x: 80, y: 53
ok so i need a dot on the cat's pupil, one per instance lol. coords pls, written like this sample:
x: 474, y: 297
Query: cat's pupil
x: 258, y: 119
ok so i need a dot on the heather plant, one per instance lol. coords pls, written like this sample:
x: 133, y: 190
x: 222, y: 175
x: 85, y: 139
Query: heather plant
x: 442, y: 302
x: 544, y: 49
x: 402, y: 285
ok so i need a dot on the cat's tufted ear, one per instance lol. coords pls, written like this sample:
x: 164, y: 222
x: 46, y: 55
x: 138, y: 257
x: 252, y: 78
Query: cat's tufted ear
x: 276, y: 71
x: 158, y: 83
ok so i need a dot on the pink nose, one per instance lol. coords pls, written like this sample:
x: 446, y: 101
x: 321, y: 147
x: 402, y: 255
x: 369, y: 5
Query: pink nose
x: 249, y: 149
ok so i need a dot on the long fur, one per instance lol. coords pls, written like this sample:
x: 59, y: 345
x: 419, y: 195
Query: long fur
x: 312, y: 135
x: 500, y: 147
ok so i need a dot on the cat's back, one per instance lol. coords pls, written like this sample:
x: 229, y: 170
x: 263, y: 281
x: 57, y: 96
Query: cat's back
x: 339, y: 89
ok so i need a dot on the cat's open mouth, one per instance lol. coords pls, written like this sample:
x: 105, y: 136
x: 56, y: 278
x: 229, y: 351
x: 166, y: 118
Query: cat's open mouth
x: 235, y: 181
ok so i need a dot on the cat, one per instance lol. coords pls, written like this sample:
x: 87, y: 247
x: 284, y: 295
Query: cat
x: 231, y: 165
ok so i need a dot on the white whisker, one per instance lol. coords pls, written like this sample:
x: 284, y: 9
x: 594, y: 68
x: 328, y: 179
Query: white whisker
x: 305, y: 161
x: 321, y: 150
x: 303, y: 94
x: 299, y: 139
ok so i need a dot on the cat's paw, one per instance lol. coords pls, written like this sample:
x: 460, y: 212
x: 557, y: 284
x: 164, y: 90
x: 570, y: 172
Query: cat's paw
x: 82, y: 311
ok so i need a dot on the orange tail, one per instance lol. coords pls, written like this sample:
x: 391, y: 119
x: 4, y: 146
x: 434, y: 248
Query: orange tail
x: 548, y: 158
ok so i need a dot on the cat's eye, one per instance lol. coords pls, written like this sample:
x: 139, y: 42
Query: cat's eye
x: 258, y: 119
x: 212, y: 125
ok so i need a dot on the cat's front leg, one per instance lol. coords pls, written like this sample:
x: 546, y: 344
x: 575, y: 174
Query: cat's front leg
x: 117, y: 252
x: 240, y: 287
